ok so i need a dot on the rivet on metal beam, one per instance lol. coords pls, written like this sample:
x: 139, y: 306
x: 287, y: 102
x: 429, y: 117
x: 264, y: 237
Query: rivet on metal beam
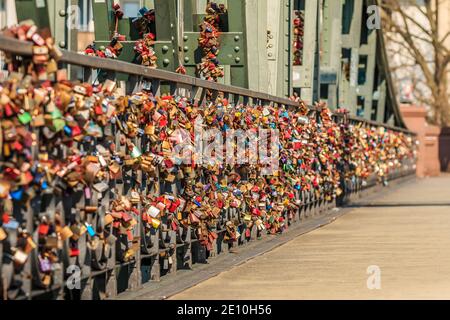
x: 236, y: 38
x: 185, y: 48
x: 237, y: 59
x: 166, y: 62
x: 62, y: 44
x: 237, y: 49
x: 62, y: 13
x: 165, y: 48
x: 186, y: 59
x: 185, y: 38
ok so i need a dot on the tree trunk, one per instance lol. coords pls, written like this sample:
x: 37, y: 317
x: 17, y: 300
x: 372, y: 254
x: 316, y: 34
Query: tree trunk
x: 442, y: 105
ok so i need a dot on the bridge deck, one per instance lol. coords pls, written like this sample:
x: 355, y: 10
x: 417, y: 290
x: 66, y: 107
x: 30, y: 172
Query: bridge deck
x: 406, y: 232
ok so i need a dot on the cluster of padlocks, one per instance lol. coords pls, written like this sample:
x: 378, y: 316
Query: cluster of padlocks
x: 91, y: 177
x: 299, y: 27
x: 209, y: 68
x: 144, y: 47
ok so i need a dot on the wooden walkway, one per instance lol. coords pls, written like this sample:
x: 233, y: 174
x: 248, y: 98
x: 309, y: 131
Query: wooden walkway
x: 405, y: 232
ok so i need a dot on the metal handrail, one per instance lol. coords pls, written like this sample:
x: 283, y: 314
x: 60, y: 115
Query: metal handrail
x: 24, y: 48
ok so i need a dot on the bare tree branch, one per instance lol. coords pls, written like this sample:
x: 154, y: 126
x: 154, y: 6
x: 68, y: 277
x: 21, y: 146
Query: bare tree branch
x: 419, y: 52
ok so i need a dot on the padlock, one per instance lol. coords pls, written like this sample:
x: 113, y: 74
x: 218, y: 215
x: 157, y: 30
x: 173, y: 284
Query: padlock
x: 66, y: 233
x: 109, y: 86
x: 3, y: 234
x: 20, y: 257
x: 90, y: 229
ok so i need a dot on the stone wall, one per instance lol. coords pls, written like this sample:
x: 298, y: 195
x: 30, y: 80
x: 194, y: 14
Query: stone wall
x: 428, y: 164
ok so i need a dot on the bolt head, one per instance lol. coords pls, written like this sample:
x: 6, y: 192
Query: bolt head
x: 62, y: 44
x: 62, y: 13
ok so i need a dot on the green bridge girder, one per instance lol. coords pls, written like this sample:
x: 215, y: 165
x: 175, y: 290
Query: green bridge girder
x: 344, y: 63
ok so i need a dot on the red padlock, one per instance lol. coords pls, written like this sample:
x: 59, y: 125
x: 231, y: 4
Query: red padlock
x: 43, y: 229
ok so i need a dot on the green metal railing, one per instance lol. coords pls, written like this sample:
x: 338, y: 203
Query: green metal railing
x: 183, y: 249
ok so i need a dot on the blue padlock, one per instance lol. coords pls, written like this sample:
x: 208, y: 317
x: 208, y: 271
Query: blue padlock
x: 143, y: 11
x: 197, y: 203
x: 68, y: 130
x: 17, y: 194
x: 37, y: 177
x: 90, y: 230
x: 12, y: 224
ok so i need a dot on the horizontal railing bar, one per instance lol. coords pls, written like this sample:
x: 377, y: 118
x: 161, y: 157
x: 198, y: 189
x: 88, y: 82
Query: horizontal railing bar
x: 374, y: 123
x: 25, y: 48
x: 9, y: 44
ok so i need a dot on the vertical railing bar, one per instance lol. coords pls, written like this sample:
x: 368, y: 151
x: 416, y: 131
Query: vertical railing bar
x: 214, y: 95
x: 173, y: 88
